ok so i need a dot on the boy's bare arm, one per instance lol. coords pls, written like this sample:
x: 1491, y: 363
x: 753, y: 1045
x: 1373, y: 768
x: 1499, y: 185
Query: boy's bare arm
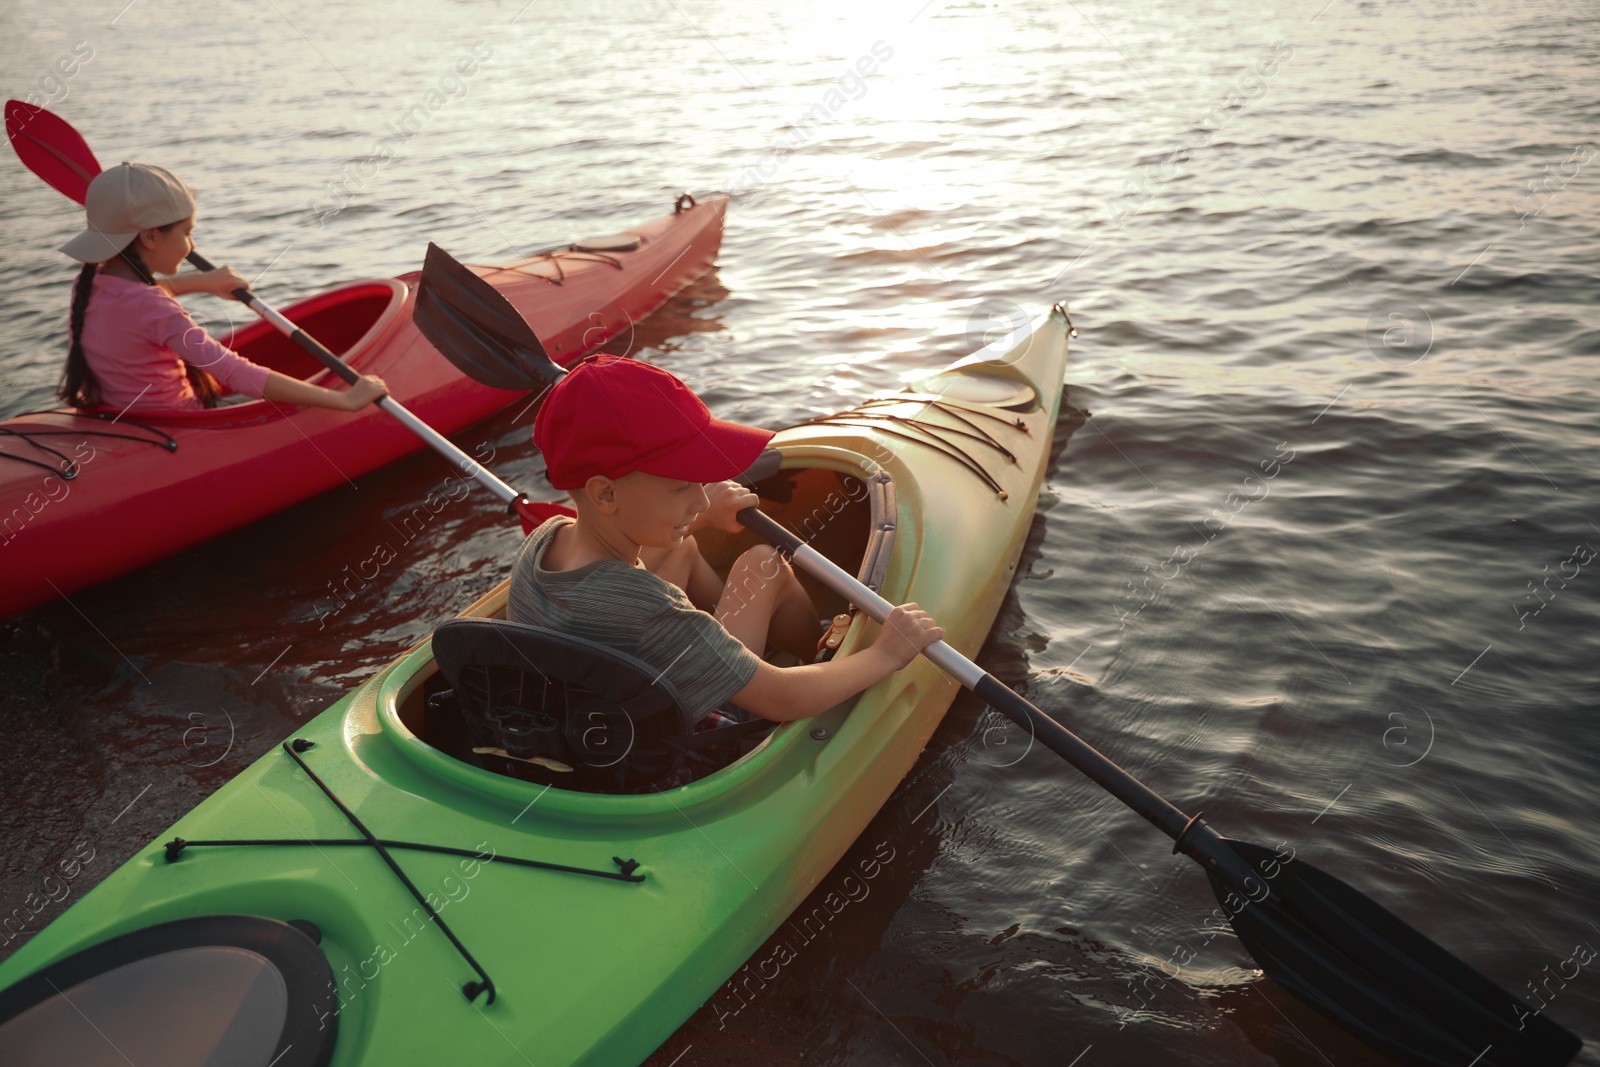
x: 784, y: 694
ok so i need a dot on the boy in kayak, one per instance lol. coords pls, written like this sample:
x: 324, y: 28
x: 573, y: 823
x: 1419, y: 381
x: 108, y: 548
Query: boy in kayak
x: 646, y: 465
x: 132, y: 342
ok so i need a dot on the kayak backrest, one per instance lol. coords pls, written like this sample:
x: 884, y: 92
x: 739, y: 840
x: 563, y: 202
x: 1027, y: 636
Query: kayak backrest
x: 552, y: 708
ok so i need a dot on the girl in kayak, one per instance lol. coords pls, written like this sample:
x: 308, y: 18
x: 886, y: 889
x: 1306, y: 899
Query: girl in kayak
x: 637, y: 449
x: 132, y: 342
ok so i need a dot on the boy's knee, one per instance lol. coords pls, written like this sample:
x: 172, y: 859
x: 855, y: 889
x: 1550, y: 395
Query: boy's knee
x: 765, y: 560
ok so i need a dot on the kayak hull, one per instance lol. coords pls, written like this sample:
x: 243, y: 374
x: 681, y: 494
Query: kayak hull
x: 594, y: 970
x: 173, y: 480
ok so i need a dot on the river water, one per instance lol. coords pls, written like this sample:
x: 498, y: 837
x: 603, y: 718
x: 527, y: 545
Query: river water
x: 1314, y: 549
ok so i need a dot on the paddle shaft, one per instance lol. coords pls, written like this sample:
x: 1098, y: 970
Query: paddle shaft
x: 433, y: 438
x: 1196, y: 839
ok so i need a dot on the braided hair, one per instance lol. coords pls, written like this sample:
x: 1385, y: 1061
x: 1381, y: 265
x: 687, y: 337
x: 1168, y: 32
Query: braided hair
x: 78, y: 386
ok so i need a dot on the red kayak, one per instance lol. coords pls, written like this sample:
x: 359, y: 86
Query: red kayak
x: 86, y: 496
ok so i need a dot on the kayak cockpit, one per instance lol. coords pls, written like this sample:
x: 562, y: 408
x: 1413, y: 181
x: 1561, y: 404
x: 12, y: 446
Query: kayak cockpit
x: 347, y: 321
x: 846, y: 514
x: 351, y: 322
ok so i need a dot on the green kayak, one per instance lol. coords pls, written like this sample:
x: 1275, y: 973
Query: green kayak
x: 294, y: 918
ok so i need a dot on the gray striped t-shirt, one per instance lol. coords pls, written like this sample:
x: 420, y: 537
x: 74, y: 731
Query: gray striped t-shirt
x: 633, y: 611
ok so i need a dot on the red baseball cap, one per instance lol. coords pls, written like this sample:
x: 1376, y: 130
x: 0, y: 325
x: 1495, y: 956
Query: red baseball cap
x: 613, y: 416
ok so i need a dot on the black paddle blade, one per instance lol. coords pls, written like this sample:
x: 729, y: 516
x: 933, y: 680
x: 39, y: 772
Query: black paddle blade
x: 765, y: 466
x: 1380, y: 978
x: 477, y: 328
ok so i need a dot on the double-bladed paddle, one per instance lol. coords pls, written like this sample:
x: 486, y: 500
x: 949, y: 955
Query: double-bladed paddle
x: 1331, y: 945
x: 49, y: 146
x: 1325, y: 941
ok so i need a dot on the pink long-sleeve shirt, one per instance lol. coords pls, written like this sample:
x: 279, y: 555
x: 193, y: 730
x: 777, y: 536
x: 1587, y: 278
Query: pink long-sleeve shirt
x: 136, y: 339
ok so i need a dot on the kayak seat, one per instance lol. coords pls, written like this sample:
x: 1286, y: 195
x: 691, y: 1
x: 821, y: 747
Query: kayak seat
x: 560, y: 710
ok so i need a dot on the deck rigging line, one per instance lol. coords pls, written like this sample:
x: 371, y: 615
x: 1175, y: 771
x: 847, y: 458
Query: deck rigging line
x: 471, y: 990
x: 935, y: 435
x: 176, y: 846
x: 68, y: 468
x: 583, y: 255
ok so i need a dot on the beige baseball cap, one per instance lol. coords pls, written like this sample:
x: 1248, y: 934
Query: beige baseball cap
x: 122, y: 201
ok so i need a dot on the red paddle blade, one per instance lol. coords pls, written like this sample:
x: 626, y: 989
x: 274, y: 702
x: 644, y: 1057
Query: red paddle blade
x: 49, y: 146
